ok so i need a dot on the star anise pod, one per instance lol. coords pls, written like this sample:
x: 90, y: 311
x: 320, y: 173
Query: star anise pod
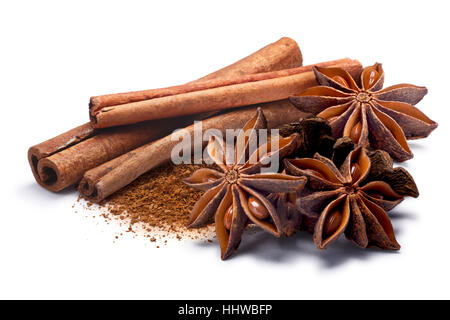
x: 344, y: 201
x: 315, y: 136
x: 290, y: 216
x: 238, y: 195
x: 362, y: 110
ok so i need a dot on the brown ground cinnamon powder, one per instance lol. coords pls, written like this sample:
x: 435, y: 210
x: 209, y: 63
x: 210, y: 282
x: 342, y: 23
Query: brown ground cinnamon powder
x: 159, y: 204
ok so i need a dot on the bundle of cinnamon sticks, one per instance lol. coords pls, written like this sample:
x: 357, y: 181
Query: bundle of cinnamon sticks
x: 129, y: 133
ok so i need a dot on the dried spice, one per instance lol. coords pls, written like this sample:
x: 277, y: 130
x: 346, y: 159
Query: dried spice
x: 213, y: 95
x: 315, y: 137
x: 159, y: 203
x: 362, y: 110
x: 398, y: 178
x: 341, y: 149
x: 290, y: 217
x: 345, y: 201
x: 238, y: 195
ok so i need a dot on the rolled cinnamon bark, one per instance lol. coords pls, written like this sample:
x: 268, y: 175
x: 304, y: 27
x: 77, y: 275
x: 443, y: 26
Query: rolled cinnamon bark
x: 96, y: 108
x: 58, y: 170
x: 216, y: 94
x: 61, y: 161
x: 282, y: 54
x: 111, y: 176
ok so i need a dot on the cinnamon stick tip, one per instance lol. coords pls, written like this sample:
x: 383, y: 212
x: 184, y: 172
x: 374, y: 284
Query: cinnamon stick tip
x: 44, y: 171
x: 287, y: 39
x: 33, y: 155
x: 84, y: 187
x: 89, y: 189
x: 49, y: 176
x: 94, y: 122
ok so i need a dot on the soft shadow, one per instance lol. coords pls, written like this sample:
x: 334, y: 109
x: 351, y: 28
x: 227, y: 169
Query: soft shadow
x: 399, y: 215
x: 300, y: 246
x: 417, y: 145
x: 34, y: 192
x: 265, y: 247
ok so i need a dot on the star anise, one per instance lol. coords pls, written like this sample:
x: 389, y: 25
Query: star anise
x: 290, y: 216
x: 238, y: 195
x: 315, y: 137
x: 344, y: 201
x: 362, y: 110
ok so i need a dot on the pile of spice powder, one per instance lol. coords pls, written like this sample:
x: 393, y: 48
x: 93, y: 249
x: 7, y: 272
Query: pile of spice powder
x: 159, y: 203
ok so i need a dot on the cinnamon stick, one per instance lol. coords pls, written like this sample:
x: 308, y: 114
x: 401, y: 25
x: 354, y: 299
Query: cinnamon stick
x: 216, y: 94
x: 97, y: 107
x: 61, y: 161
x: 65, y: 167
x: 100, y: 182
x: 282, y: 54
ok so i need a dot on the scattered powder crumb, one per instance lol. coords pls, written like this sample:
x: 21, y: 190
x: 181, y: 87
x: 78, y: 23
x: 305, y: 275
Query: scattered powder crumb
x: 156, y: 205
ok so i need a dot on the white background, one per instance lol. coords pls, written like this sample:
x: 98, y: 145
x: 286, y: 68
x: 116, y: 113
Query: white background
x: 54, y: 55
